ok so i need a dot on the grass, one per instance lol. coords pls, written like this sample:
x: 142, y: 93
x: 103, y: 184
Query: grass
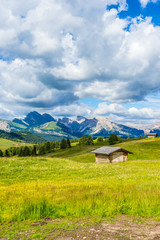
x: 17, y: 125
x: 37, y: 230
x: 145, y: 149
x: 52, y: 126
x: 5, y: 143
x: 70, y: 184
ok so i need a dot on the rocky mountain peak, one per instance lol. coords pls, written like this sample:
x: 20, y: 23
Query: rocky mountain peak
x: 34, y: 118
x: 96, y: 126
x: 80, y: 118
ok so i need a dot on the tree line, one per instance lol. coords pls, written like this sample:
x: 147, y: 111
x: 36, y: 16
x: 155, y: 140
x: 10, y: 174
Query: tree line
x: 35, y: 150
x: 113, y: 139
x: 48, y: 147
x: 44, y: 148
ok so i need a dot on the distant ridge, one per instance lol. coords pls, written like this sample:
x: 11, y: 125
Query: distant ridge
x: 47, y: 127
x: 35, y: 119
x: 99, y: 126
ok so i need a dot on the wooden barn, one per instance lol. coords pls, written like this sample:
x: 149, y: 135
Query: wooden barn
x: 152, y: 135
x: 111, y: 154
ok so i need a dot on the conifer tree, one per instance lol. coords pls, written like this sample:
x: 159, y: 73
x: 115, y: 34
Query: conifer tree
x: 83, y: 140
x: 6, y: 153
x: 100, y: 139
x: 34, y: 150
x: 63, y: 144
x: 14, y: 151
x: 42, y: 149
x: 68, y: 143
x: 56, y: 144
x: 47, y: 146
x: 1, y: 153
x: 20, y: 152
x: 90, y: 140
x: 11, y: 151
x: 52, y: 146
x: 113, y: 139
x: 26, y: 151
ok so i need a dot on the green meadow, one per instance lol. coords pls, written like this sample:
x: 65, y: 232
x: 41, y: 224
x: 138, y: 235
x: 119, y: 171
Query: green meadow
x: 68, y: 183
x: 5, y: 143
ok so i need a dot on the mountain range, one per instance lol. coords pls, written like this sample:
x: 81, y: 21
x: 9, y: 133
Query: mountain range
x: 51, y: 129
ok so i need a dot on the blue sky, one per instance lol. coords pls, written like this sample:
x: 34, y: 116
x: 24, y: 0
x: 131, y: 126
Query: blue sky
x: 91, y: 58
x: 135, y: 9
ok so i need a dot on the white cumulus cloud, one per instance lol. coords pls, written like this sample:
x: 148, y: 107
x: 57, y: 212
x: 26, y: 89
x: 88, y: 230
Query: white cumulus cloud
x: 54, y: 53
x: 145, y: 2
x: 131, y: 115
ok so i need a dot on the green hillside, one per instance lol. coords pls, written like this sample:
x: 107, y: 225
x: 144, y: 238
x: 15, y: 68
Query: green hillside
x: 54, y: 126
x: 68, y: 183
x: 52, y: 131
x: 145, y: 149
x: 23, y: 136
x: 17, y: 126
x: 5, y: 143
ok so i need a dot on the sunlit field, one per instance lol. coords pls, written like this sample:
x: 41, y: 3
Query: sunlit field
x: 59, y: 186
x: 5, y: 143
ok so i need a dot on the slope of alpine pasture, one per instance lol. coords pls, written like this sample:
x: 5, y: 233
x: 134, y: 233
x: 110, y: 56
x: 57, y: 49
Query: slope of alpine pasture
x: 5, y: 143
x: 145, y: 149
x: 52, y: 131
x: 56, y: 187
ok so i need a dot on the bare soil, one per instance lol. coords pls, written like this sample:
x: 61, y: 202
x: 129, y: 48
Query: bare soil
x: 122, y: 228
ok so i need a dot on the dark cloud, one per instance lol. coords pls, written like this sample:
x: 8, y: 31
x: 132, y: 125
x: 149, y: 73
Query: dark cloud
x: 60, y: 84
x: 56, y: 99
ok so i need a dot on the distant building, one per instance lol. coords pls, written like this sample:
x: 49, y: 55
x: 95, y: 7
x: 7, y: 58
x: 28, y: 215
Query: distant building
x: 111, y: 154
x: 152, y: 135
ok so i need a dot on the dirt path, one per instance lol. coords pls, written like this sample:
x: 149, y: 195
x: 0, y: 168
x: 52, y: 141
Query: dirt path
x: 122, y: 228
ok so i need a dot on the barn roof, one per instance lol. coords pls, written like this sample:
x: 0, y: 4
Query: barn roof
x: 109, y: 150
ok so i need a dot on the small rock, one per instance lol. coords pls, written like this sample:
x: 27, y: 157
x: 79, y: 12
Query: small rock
x: 92, y: 229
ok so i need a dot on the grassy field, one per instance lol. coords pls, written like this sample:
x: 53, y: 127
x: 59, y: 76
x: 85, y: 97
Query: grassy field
x: 69, y: 183
x: 5, y: 143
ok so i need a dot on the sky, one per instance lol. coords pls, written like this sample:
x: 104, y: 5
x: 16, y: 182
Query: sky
x: 81, y: 57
